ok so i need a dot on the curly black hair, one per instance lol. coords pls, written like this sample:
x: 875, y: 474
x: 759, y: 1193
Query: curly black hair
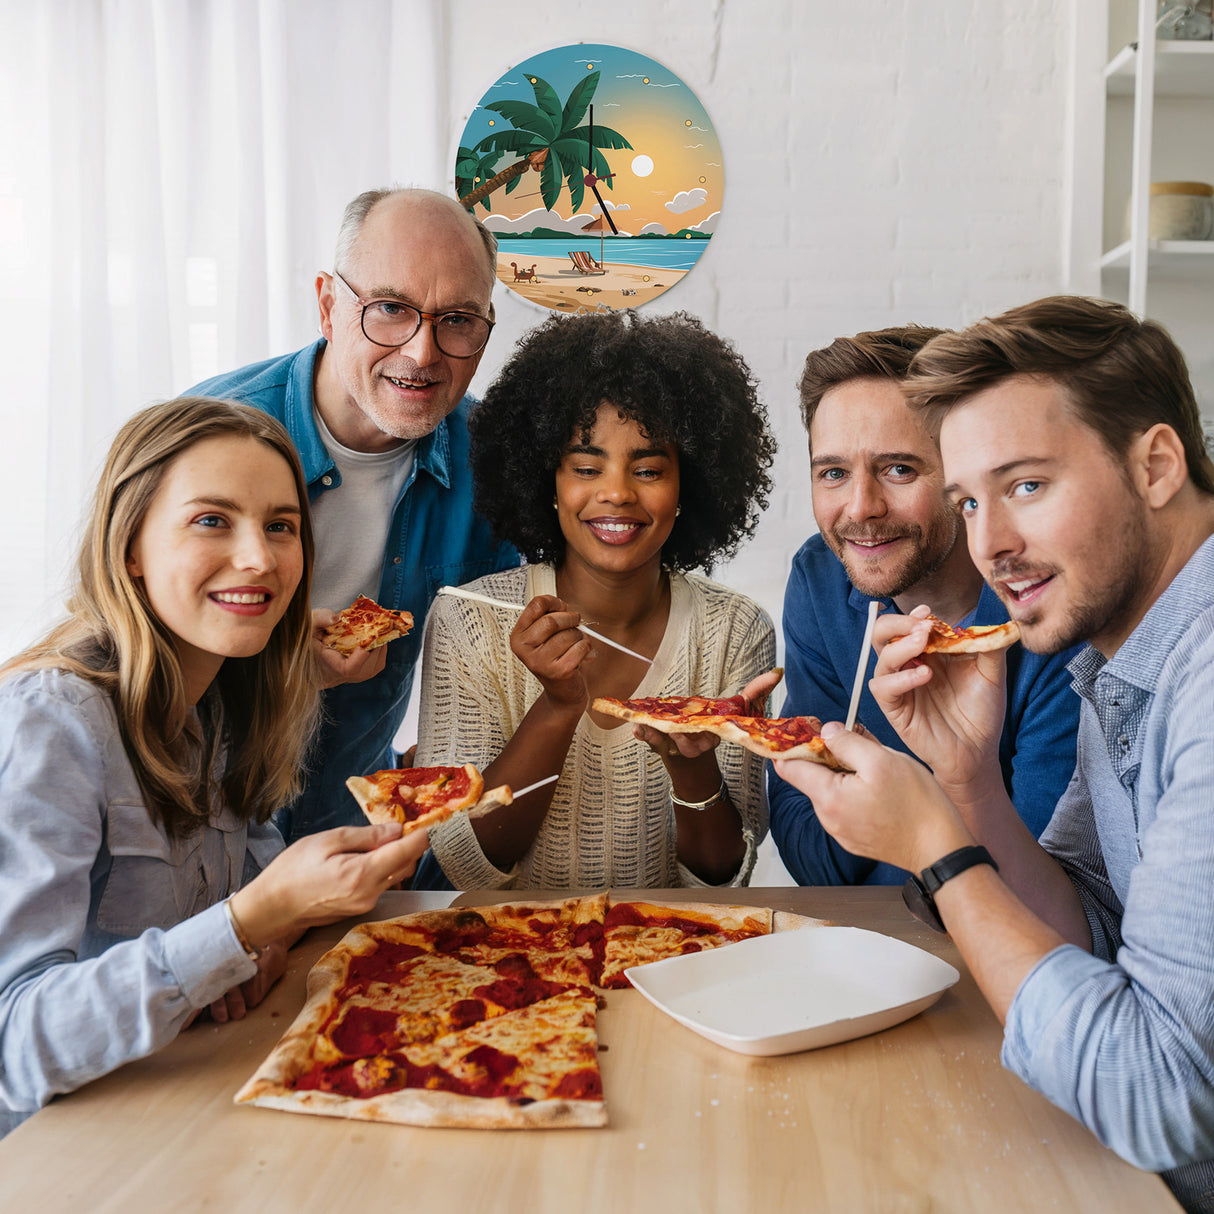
x: 680, y: 383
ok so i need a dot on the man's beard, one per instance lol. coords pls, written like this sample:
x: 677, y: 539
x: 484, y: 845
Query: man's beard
x: 930, y: 550
x: 1109, y: 595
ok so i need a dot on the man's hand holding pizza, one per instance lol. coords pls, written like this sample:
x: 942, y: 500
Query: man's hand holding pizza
x: 336, y: 668
x: 889, y: 808
x: 948, y: 708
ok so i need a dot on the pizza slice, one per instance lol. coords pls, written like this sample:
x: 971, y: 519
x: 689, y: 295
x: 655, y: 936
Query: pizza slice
x: 979, y: 638
x: 781, y: 738
x: 366, y: 625
x: 556, y: 941
x: 674, y: 714
x: 420, y: 797
x: 536, y: 1066
x: 636, y: 933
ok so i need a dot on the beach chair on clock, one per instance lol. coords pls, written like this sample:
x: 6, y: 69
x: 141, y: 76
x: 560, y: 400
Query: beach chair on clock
x: 585, y: 264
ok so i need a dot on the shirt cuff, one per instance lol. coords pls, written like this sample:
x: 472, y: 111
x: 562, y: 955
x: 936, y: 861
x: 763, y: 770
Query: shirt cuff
x: 205, y: 957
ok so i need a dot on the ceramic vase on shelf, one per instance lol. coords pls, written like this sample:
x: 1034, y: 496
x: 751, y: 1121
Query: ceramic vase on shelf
x: 1177, y: 21
x: 1180, y: 210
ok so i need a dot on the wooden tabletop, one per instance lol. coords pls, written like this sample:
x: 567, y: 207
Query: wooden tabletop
x: 919, y: 1117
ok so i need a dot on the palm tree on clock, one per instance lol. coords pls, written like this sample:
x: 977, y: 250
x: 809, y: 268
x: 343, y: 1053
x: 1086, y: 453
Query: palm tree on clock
x: 546, y: 137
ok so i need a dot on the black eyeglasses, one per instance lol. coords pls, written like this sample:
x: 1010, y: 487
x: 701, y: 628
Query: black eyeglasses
x: 392, y: 323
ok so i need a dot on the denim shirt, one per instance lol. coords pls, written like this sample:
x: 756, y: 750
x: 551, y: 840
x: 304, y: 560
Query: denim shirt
x: 435, y: 539
x: 1123, y: 1037
x: 824, y: 622
x: 112, y: 933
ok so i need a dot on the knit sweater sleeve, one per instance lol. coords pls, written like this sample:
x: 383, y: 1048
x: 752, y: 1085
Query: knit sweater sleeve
x: 738, y: 641
x: 466, y: 711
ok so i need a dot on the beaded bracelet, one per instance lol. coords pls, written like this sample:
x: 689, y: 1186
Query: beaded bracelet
x: 706, y: 804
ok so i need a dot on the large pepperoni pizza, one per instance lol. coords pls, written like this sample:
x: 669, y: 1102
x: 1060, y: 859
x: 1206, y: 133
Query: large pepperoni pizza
x: 480, y: 1018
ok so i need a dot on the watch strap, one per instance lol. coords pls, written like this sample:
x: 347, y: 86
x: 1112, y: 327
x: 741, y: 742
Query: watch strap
x: 954, y: 864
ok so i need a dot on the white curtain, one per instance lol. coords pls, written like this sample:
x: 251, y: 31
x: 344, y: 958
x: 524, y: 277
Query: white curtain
x: 172, y: 173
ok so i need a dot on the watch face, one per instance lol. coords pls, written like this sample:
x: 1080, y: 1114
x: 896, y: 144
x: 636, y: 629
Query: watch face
x: 572, y: 133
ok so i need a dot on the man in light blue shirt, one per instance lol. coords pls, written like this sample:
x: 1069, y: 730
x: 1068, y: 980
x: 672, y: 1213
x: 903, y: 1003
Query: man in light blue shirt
x: 378, y: 412
x: 1073, y: 449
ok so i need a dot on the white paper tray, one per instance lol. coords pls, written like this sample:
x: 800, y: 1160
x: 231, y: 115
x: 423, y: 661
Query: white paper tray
x: 796, y: 990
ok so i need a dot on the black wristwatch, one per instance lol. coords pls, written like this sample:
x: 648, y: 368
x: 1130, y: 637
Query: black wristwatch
x: 919, y: 892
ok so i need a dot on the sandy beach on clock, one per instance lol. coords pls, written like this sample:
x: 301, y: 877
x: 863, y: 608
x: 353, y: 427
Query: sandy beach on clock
x: 557, y: 284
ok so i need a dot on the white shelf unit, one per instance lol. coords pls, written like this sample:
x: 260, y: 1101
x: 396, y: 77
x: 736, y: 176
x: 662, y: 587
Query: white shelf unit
x: 1142, y: 110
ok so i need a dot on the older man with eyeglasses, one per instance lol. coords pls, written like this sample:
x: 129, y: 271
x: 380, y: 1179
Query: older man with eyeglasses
x: 378, y: 412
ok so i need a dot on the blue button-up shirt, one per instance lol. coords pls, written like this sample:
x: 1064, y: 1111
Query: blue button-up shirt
x: 1123, y: 1037
x: 824, y: 622
x: 435, y: 539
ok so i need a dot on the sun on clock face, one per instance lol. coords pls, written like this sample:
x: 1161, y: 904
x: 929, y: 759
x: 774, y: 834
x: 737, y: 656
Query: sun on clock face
x: 599, y: 173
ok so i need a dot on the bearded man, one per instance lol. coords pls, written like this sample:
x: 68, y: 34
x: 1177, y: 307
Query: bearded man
x: 886, y: 532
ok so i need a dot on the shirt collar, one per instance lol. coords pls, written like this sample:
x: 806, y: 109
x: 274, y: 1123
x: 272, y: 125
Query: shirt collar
x: 433, y: 453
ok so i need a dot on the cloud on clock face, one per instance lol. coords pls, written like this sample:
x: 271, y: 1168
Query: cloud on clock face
x: 687, y: 200
x: 503, y: 225
x: 614, y: 208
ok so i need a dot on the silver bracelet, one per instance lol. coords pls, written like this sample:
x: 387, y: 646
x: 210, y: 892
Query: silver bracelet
x: 719, y: 795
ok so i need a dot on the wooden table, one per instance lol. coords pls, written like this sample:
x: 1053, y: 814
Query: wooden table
x: 919, y: 1117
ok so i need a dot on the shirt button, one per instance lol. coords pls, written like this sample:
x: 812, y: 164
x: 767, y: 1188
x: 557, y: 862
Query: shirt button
x: 396, y: 560
x: 326, y: 480
x: 1125, y: 742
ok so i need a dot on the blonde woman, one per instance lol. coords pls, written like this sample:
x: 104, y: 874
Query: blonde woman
x: 143, y: 745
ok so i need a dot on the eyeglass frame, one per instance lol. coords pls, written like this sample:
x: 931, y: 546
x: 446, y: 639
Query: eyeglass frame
x: 432, y: 317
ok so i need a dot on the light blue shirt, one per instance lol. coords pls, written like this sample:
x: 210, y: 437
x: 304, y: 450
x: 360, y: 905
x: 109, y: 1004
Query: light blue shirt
x: 1123, y: 1038
x: 112, y: 933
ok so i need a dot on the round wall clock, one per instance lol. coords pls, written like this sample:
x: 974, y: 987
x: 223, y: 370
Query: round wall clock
x: 599, y: 173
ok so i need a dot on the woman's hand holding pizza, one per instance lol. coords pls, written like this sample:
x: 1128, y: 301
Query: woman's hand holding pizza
x: 889, y: 808
x: 546, y: 640
x: 325, y: 877
x: 948, y: 709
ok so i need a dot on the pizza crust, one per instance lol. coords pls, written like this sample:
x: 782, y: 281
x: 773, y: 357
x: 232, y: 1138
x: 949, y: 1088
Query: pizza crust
x: 978, y: 638
x: 982, y: 638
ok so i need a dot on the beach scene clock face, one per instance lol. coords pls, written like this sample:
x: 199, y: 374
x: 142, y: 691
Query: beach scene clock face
x: 599, y: 173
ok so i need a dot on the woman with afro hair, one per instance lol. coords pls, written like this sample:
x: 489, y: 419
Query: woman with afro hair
x: 617, y: 453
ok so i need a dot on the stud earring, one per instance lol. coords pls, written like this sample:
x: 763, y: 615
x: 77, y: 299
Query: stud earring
x: 677, y: 511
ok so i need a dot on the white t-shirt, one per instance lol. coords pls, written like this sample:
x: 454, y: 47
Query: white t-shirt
x: 351, y: 521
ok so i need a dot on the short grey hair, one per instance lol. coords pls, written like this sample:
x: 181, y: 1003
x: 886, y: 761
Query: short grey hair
x: 356, y: 212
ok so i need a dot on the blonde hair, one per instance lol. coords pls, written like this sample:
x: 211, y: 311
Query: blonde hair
x: 259, y: 713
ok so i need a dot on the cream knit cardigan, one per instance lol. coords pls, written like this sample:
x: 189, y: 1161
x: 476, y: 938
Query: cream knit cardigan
x: 610, y: 821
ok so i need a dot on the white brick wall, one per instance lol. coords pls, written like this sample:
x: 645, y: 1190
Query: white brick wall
x: 885, y: 162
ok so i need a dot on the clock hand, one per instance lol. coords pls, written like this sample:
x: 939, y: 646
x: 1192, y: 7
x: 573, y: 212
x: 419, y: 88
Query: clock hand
x: 603, y: 207
x: 590, y: 178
